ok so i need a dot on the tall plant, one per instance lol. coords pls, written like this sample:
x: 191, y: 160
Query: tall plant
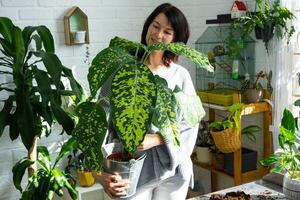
x: 138, y: 98
x: 34, y: 94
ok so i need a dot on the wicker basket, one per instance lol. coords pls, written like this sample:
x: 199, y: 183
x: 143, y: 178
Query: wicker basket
x: 228, y: 140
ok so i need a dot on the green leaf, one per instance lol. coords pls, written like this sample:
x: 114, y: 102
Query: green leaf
x: 5, y: 114
x: 106, y: 62
x: 191, y: 107
x: 19, y: 170
x: 133, y: 93
x: 6, y: 29
x: 13, y: 127
x: 44, y: 85
x: 181, y: 49
x: 288, y: 121
x: 127, y: 45
x: 165, y: 116
x: 90, y: 132
x: 18, y: 43
x: 47, y: 38
x: 62, y: 117
x: 281, y: 140
x: 270, y: 161
x: 297, y: 103
x: 44, y: 158
x: 288, y: 135
x: 52, y: 64
x: 65, y: 149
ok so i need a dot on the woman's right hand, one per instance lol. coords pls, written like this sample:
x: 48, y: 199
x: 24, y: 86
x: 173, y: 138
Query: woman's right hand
x: 113, y: 184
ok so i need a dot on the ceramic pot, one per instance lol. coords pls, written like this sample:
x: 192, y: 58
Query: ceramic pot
x: 126, y: 169
x: 86, y: 179
x: 78, y: 37
x: 291, y: 187
x: 253, y: 95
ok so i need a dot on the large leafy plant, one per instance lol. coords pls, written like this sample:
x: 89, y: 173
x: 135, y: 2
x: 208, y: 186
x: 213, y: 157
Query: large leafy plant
x: 36, y: 87
x: 287, y: 158
x: 48, y: 179
x: 138, y: 98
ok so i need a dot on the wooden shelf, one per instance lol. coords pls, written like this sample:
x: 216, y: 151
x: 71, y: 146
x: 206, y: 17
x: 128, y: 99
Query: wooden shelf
x: 238, y: 176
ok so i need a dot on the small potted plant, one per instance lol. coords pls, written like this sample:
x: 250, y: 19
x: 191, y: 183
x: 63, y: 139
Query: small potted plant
x: 122, y: 70
x: 254, y: 91
x: 286, y: 160
x: 265, y: 21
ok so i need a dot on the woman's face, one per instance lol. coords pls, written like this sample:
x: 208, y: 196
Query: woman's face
x: 160, y: 30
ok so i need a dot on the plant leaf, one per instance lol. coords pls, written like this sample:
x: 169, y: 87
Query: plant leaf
x: 19, y: 170
x: 90, y: 132
x: 165, y: 115
x: 6, y: 28
x: 288, y: 135
x: 288, y: 121
x: 191, y: 107
x: 65, y: 149
x: 270, y: 161
x: 5, y: 114
x: 104, y: 65
x: 129, y: 46
x: 44, y: 158
x: 133, y: 94
x: 198, y: 58
x: 44, y: 85
x: 297, y: 103
x: 47, y: 38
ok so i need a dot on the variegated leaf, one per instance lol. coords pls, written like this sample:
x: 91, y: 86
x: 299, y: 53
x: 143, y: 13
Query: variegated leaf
x: 127, y: 45
x: 133, y: 95
x: 191, y: 107
x: 181, y: 49
x: 165, y: 116
x: 90, y: 132
x: 105, y: 64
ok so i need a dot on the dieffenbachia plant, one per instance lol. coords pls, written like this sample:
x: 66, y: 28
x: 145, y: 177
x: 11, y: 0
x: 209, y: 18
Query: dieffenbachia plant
x: 138, y: 98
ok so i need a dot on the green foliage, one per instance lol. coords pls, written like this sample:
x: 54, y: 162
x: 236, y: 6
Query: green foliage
x: 48, y: 179
x: 273, y: 18
x: 256, y: 84
x: 233, y: 120
x: 36, y: 95
x: 138, y: 98
x: 287, y: 159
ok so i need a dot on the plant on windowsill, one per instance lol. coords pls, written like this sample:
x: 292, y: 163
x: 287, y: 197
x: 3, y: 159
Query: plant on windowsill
x: 254, y: 91
x: 34, y: 95
x: 287, y: 159
x: 138, y: 99
x: 264, y: 22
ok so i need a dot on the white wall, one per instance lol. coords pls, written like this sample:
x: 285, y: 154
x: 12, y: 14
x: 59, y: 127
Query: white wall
x: 107, y: 18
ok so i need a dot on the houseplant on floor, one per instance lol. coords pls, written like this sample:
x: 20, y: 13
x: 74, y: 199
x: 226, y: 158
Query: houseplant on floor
x: 35, y: 89
x: 287, y: 159
x: 267, y: 19
x: 136, y: 97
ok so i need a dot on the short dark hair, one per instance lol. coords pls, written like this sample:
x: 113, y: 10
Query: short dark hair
x: 178, y: 22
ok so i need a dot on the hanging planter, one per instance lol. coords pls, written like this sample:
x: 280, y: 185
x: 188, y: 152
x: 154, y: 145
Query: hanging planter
x: 266, y: 33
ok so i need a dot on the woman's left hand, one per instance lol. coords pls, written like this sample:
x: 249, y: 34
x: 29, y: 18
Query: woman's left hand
x: 150, y: 140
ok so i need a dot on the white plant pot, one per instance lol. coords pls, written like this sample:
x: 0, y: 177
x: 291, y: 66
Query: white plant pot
x: 203, y: 155
x: 78, y: 37
x: 291, y: 187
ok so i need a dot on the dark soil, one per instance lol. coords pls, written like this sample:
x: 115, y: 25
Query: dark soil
x: 239, y: 195
x: 120, y: 156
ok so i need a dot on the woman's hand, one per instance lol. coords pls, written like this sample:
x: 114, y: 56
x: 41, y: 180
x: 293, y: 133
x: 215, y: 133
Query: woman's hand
x: 113, y: 184
x: 150, y: 140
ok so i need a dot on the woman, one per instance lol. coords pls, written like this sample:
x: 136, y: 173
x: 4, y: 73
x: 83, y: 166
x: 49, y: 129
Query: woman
x: 167, y: 170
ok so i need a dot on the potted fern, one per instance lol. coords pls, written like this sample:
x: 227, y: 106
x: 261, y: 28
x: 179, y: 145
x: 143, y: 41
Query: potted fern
x: 34, y: 94
x: 286, y: 160
x: 132, y: 81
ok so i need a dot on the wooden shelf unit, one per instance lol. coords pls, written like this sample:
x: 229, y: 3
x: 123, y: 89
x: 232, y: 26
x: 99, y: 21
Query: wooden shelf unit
x: 238, y: 176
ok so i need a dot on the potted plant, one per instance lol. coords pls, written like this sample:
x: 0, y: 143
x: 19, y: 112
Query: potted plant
x: 127, y: 74
x: 35, y: 92
x: 48, y: 179
x: 267, y: 19
x: 253, y: 91
x: 286, y: 160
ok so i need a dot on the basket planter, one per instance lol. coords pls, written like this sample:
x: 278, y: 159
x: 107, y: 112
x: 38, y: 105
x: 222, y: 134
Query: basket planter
x: 291, y: 187
x: 228, y: 140
x: 126, y: 169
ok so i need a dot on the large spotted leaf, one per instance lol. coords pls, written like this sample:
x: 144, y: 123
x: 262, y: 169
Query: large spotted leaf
x: 104, y: 65
x: 198, y: 58
x: 191, y: 107
x: 165, y: 115
x: 133, y: 98
x: 129, y: 46
x: 90, y: 132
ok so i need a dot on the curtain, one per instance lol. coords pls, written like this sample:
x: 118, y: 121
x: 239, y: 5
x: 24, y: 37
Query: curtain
x: 285, y: 67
